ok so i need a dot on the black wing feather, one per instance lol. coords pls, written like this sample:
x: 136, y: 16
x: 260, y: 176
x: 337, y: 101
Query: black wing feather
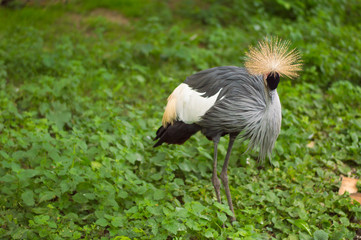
x: 176, y: 133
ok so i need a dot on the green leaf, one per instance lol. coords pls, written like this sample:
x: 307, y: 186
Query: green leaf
x: 209, y: 233
x: 181, y: 212
x: 140, y: 189
x: 8, y: 178
x: 303, y: 235
x: 4, y: 154
x: 197, y: 207
x: 64, y: 186
x: 184, y: 166
x: 29, y: 173
x: 172, y: 226
x: 102, y: 222
x: 41, y: 219
x: 82, y: 145
x: 45, y: 196
x: 80, y: 198
x: 221, y: 216
x: 224, y: 208
x: 117, y: 221
x: 19, y: 233
x: 154, y: 226
x: 96, y: 165
x: 158, y: 159
x: 344, y: 221
x: 156, y: 176
x: 302, y: 225
x: 205, y: 154
x: 192, y: 224
x: 270, y: 196
x: 133, y: 157
x: 122, y: 194
x: 158, y: 194
x: 320, y: 235
x: 28, y: 197
x: 60, y: 115
x: 90, y: 196
x: 337, y: 235
x: 52, y: 224
x: 284, y: 3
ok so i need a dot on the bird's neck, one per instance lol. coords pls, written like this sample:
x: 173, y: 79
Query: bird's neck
x: 270, y: 124
x: 271, y: 96
x: 273, y: 109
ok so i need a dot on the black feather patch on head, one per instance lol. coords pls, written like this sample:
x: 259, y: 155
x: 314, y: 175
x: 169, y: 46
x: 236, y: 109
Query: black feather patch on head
x: 272, y: 80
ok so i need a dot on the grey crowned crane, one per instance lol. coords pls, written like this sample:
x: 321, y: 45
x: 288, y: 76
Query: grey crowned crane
x: 231, y: 100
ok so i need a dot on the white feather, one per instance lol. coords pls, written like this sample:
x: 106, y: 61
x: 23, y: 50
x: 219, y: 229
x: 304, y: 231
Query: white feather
x: 190, y: 105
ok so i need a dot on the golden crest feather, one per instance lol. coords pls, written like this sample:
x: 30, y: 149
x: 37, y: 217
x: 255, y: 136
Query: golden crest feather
x: 170, y: 113
x: 273, y: 55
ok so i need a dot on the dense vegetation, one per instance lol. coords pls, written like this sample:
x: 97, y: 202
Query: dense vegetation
x: 82, y: 88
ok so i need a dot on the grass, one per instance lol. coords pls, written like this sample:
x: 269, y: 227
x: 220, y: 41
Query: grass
x: 82, y: 96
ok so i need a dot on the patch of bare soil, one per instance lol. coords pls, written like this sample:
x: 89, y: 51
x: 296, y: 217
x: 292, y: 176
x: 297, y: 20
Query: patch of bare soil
x: 111, y: 16
x: 75, y: 19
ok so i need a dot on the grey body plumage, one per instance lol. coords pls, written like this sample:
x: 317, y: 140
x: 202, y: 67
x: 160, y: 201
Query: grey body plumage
x: 244, y: 106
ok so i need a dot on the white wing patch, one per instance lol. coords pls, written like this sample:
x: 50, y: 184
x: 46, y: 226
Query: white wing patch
x: 190, y: 105
x: 187, y: 105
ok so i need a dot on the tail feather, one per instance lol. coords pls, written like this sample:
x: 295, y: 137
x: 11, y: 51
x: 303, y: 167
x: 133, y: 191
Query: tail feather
x: 160, y: 132
x: 176, y: 133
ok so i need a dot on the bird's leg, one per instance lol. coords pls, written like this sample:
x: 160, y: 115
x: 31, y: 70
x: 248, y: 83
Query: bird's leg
x: 215, y: 180
x: 224, y: 176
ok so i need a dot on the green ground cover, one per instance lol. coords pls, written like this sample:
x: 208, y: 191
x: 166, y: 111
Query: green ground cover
x: 83, y: 85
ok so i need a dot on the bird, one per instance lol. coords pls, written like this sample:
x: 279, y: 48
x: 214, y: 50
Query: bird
x: 236, y: 101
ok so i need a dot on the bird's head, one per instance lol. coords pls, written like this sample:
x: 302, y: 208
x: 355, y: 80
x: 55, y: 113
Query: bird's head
x: 272, y: 59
